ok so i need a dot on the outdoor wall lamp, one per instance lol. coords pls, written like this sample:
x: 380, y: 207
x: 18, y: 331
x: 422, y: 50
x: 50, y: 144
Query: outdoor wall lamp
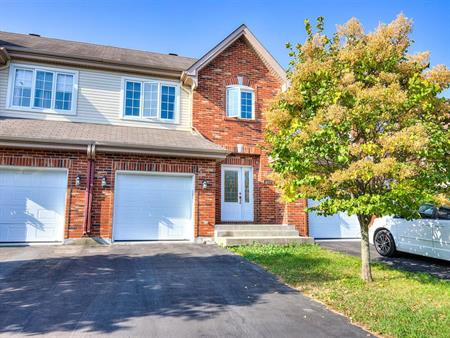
x: 104, y: 182
x: 204, y: 184
x: 78, y: 181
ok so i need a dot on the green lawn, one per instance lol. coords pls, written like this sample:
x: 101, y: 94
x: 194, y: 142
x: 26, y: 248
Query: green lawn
x: 397, y: 303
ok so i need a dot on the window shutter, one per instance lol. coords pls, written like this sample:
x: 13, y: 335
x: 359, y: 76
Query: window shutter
x: 232, y: 102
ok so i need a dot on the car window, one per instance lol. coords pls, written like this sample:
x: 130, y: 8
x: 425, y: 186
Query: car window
x: 443, y: 213
x: 427, y: 211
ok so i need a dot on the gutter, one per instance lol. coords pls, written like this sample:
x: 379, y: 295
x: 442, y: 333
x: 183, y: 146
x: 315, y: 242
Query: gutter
x: 30, y: 143
x: 92, y: 62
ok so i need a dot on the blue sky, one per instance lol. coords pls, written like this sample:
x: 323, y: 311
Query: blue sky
x: 191, y: 28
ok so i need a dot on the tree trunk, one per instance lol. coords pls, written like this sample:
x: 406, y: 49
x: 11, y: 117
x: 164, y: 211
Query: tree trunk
x: 366, y: 271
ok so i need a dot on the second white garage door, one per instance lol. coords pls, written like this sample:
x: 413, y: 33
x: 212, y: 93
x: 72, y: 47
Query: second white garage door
x: 153, y: 207
x: 337, y: 226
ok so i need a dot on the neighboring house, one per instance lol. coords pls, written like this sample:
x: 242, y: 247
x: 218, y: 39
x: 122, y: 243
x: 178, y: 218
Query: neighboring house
x: 130, y: 145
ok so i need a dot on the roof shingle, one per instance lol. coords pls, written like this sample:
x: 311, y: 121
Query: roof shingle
x: 109, y: 54
x: 106, y: 135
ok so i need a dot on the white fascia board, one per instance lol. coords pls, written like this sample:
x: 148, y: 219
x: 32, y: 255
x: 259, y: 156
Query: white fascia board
x: 266, y: 57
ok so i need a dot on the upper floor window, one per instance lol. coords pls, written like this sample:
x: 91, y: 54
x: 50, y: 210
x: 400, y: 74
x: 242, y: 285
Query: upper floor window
x: 42, y: 89
x: 150, y: 100
x: 240, y: 102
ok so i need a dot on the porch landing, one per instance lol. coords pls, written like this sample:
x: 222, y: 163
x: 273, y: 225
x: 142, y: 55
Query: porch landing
x: 244, y: 234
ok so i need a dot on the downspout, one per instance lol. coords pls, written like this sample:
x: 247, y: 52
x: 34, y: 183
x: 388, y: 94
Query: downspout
x: 89, y: 189
x: 4, y: 58
x: 5, y: 66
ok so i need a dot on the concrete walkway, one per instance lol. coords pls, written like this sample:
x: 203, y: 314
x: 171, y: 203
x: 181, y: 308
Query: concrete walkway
x: 152, y: 290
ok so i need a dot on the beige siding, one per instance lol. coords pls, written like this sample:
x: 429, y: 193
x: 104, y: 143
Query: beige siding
x: 99, y: 101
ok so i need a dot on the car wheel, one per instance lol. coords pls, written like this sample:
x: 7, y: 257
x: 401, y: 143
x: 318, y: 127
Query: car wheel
x: 384, y: 243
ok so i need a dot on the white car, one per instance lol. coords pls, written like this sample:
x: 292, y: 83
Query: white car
x: 428, y: 236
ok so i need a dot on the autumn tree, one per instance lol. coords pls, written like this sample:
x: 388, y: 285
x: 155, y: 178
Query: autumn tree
x: 362, y: 127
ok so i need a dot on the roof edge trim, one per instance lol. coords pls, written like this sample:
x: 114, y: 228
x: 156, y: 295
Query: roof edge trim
x: 190, y: 76
x: 91, y: 63
x: 111, y: 148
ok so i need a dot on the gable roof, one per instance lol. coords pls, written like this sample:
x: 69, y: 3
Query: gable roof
x: 191, y: 74
x: 20, y: 44
x: 37, y: 48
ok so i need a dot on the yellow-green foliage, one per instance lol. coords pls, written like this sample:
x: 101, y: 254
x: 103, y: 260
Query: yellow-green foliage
x: 362, y: 123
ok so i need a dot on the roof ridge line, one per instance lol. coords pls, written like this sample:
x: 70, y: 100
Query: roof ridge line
x: 97, y: 44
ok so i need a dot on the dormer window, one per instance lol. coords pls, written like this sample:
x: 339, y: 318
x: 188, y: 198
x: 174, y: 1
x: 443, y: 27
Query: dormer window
x: 240, y: 102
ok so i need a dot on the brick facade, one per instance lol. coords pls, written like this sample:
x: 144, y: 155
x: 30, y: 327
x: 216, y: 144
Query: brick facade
x: 209, y: 118
x: 106, y: 165
x: 238, y: 63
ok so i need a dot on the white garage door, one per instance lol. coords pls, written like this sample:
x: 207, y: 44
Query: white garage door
x: 32, y: 204
x: 153, y: 207
x: 336, y: 226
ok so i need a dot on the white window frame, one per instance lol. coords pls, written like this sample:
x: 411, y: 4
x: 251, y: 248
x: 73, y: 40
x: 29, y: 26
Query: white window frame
x: 157, y: 118
x: 34, y: 68
x: 240, y: 89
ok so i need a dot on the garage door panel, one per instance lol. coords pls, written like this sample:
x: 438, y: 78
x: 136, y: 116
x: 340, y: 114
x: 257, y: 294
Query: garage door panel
x: 153, y: 207
x: 32, y: 204
x: 14, y: 232
x: 45, y: 205
x: 25, y: 178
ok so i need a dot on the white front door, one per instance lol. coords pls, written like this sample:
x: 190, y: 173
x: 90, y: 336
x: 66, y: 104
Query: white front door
x: 237, y: 193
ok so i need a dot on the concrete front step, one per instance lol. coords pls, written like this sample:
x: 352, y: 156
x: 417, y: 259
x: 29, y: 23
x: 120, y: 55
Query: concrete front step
x: 283, y: 240
x: 227, y: 227
x: 256, y: 233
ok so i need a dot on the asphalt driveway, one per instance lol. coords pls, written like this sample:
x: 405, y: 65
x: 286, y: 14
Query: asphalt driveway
x: 408, y: 262
x: 152, y: 290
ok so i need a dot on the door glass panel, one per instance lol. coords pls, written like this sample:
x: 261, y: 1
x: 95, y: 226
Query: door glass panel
x: 247, y: 186
x: 231, y: 186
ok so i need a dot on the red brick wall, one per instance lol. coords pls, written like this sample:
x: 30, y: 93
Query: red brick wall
x: 209, y: 118
x: 103, y: 198
x: 209, y: 98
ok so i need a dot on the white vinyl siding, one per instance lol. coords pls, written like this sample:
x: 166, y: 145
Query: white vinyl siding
x: 100, y: 100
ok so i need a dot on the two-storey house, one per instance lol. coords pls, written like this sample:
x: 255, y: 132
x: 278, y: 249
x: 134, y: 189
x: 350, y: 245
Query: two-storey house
x: 128, y: 145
